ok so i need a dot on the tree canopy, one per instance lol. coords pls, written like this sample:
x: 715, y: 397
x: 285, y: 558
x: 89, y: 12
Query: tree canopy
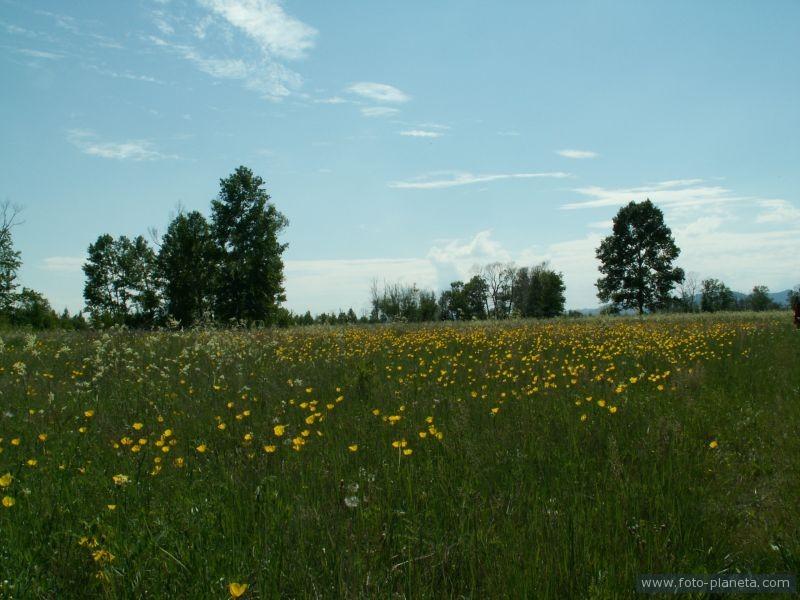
x: 636, y: 260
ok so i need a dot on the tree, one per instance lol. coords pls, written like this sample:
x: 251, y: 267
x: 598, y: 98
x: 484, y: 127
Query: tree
x: 31, y: 309
x: 121, y: 284
x: 545, y: 296
x: 246, y: 225
x: 187, y: 267
x: 636, y: 259
x: 499, y: 278
x: 687, y: 292
x: 715, y: 296
x: 760, y: 299
x: 10, y: 260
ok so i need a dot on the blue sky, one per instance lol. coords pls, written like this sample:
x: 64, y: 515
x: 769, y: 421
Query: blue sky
x: 407, y: 140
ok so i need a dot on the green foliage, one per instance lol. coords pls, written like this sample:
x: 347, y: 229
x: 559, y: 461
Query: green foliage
x: 245, y: 226
x: 636, y: 260
x: 759, y: 300
x: 187, y: 266
x: 716, y: 296
x: 10, y: 259
x: 121, y: 284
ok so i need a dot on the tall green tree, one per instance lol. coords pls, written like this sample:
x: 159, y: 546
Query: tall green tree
x: 716, y: 296
x: 187, y: 268
x: 545, y: 293
x: 760, y: 300
x: 121, y: 282
x: 636, y: 260
x: 246, y: 226
x: 10, y: 259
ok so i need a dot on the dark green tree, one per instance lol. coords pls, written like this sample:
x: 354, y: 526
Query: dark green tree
x: 10, y: 260
x: 636, y: 260
x: 187, y: 268
x: 246, y: 226
x: 760, y: 300
x: 545, y: 295
x: 32, y: 309
x: 716, y: 296
x: 121, y: 283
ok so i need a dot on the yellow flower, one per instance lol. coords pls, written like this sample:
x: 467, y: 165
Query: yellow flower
x: 612, y: 409
x: 8, y: 501
x: 120, y: 479
x: 15, y: 442
x: 601, y: 403
x: 353, y: 448
x: 495, y: 410
x: 111, y: 506
x: 221, y: 426
x: 138, y: 426
x: 713, y: 444
x: 32, y: 462
x: 584, y: 417
x: 88, y: 413
x: 376, y: 411
x: 82, y: 430
x: 407, y: 451
x: 423, y: 434
x: 269, y: 449
x: 279, y: 430
x: 248, y: 437
x: 42, y: 437
x: 201, y: 448
x: 6, y: 480
x: 237, y: 589
x: 167, y: 433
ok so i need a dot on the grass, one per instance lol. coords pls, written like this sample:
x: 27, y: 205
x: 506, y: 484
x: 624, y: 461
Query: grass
x: 559, y: 459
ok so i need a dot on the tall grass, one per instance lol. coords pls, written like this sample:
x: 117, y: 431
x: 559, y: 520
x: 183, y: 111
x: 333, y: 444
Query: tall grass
x: 615, y: 447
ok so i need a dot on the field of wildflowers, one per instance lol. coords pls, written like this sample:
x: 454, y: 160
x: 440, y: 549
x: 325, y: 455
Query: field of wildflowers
x: 527, y: 459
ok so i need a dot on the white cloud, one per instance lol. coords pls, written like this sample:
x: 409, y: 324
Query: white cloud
x: 136, y: 150
x: 335, y: 284
x: 577, y: 153
x: 464, y: 257
x: 778, y: 211
x: 379, y: 92
x: 40, y: 54
x: 63, y: 264
x: 463, y: 178
x: 331, y: 100
x: 271, y: 79
x: 421, y: 133
x: 276, y: 32
x: 378, y: 111
x: 676, y: 194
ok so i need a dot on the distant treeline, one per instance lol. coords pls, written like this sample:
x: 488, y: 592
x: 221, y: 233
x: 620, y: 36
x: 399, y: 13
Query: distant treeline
x: 228, y: 270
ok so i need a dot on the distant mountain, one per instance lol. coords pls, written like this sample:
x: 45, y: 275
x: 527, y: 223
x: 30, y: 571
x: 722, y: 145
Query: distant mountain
x: 781, y: 298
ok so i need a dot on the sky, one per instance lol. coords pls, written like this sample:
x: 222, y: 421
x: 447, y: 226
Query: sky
x: 407, y: 141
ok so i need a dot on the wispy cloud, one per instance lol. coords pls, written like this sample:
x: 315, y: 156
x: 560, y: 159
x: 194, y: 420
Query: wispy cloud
x: 577, y: 153
x: 272, y: 80
x: 421, y: 133
x: 777, y: 211
x: 40, y: 54
x: 676, y: 193
x: 63, y: 264
x: 264, y: 21
x: 331, y: 100
x: 136, y: 150
x: 378, y: 111
x: 379, y: 92
x: 435, y: 181
x: 268, y: 36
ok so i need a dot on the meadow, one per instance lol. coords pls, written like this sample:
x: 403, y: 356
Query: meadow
x: 538, y: 459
